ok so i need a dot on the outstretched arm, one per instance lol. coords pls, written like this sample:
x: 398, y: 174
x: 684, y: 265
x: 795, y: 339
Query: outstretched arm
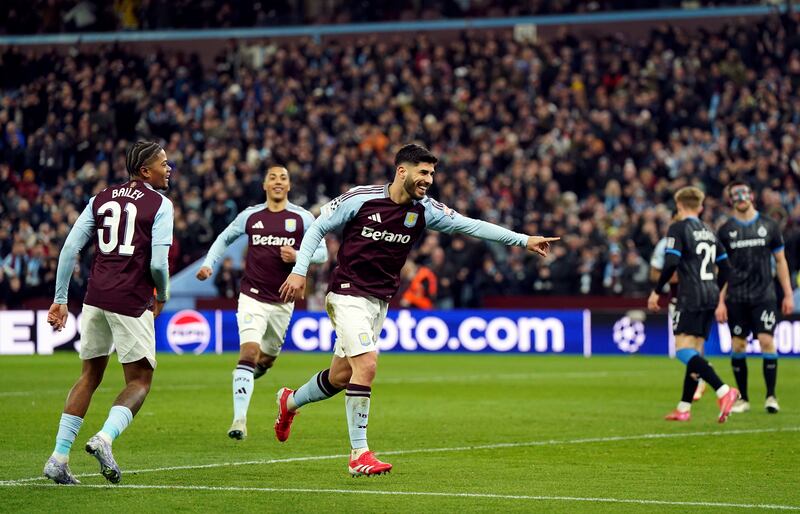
x: 223, y: 241
x: 440, y: 217
x: 321, y: 253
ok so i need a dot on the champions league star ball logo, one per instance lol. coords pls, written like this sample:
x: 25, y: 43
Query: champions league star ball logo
x: 629, y: 335
x: 188, y: 330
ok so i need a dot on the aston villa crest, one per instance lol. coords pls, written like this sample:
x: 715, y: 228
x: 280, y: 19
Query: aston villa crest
x: 290, y: 225
x: 411, y: 219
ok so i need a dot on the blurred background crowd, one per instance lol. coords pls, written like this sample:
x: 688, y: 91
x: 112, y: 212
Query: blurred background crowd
x: 56, y: 16
x: 583, y: 138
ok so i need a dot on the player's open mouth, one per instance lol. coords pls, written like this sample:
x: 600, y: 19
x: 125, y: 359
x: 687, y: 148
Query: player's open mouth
x: 423, y: 189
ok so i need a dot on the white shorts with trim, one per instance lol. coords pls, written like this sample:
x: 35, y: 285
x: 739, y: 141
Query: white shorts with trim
x: 358, y: 321
x: 264, y: 323
x: 104, y: 331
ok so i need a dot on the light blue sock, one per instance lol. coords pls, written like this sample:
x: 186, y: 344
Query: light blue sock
x: 68, y: 429
x: 119, y: 418
x: 317, y: 388
x: 242, y: 389
x: 356, y: 404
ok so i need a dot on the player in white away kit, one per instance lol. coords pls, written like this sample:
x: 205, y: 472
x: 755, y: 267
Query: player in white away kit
x: 274, y: 231
x: 380, y: 226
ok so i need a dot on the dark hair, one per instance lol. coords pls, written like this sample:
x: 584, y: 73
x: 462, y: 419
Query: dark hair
x: 738, y: 182
x: 414, y: 154
x: 139, y: 154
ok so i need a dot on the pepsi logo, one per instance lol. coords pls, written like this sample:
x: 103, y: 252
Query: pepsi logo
x: 188, y: 331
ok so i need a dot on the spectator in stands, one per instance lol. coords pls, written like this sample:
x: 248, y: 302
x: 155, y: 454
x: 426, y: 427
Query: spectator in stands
x: 423, y: 287
x: 227, y: 279
x: 585, y: 136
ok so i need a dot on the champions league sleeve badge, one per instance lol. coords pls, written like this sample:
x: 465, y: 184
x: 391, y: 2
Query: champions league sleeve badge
x: 290, y: 225
x: 411, y: 219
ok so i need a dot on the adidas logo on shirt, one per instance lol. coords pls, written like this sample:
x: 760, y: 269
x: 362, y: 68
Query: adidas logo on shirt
x: 376, y: 217
x: 258, y: 225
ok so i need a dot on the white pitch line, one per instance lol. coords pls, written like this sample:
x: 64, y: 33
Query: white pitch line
x: 547, y: 442
x: 445, y: 495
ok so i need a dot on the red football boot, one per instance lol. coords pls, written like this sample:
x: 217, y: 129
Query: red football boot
x: 368, y: 465
x: 283, y: 423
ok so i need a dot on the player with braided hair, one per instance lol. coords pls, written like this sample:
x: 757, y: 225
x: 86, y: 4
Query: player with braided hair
x: 131, y: 225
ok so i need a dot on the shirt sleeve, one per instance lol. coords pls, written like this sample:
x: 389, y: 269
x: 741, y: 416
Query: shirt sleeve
x: 657, y: 259
x: 162, y: 225
x: 444, y: 219
x: 333, y: 215
x: 674, y: 245
x: 159, y: 270
x: 78, y: 237
x: 321, y: 252
x: 722, y: 253
x: 722, y: 239
x: 231, y: 233
x: 776, y: 241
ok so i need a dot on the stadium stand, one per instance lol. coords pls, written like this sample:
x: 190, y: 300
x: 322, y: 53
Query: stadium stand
x: 582, y: 138
x: 58, y: 16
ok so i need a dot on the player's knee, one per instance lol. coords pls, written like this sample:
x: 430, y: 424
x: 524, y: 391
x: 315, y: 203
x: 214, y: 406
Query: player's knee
x: 739, y: 345
x: 365, y: 372
x: 266, y: 361
x: 767, y: 343
x: 249, y: 352
x: 143, y: 384
x: 340, y: 378
x: 91, y: 380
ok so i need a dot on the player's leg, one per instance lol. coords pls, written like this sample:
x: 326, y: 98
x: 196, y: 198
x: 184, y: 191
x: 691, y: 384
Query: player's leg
x: 358, y: 398
x: 739, y: 366
x: 700, y: 384
x: 322, y: 385
x: 360, y: 346
x: 138, y: 378
x: 136, y: 349
x: 251, y: 318
x: 770, y: 367
x: 683, y: 410
x: 764, y: 317
x: 78, y: 400
x: 692, y: 327
x: 242, y: 388
x: 263, y: 364
x: 95, y: 347
x: 279, y: 315
x: 739, y: 323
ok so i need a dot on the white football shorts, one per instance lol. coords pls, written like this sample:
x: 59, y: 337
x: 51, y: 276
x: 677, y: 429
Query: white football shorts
x: 358, y: 321
x: 264, y: 323
x: 103, y: 331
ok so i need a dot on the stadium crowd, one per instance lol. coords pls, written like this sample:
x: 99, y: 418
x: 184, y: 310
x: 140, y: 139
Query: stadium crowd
x: 581, y: 138
x: 55, y: 16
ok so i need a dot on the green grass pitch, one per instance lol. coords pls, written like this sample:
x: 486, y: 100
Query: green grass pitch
x: 466, y: 433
